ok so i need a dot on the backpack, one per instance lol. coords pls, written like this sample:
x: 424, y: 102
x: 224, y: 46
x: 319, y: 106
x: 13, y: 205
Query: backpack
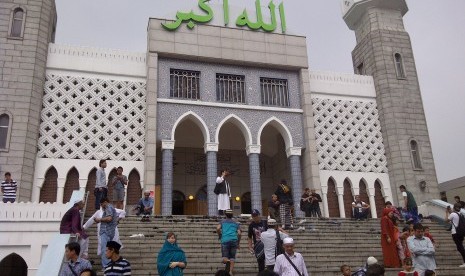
x: 460, y: 228
x: 279, y: 244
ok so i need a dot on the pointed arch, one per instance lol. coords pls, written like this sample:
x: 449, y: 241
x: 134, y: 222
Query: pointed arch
x: 48, y: 192
x: 71, y: 184
x: 13, y: 265
x: 110, y: 185
x: 134, y: 189
x: 348, y: 197
x: 90, y: 187
x: 281, y: 127
x: 197, y: 120
x: 379, y: 198
x: 363, y: 191
x: 333, y: 205
x: 237, y: 122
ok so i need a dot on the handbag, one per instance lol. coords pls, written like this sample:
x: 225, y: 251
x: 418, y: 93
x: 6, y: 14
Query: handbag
x: 293, y: 265
x: 219, y: 187
x: 259, y: 250
x: 279, y: 244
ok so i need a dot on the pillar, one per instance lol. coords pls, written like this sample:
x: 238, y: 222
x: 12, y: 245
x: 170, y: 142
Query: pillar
x: 294, y: 154
x: 324, y: 198
x: 253, y: 152
x: 167, y: 149
x: 60, y: 189
x: 211, y: 150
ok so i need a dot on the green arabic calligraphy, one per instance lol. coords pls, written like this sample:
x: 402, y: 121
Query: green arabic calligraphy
x: 242, y: 20
x: 191, y: 17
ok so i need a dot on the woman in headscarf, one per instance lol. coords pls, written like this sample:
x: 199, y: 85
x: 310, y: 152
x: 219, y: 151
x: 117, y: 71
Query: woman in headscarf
x: 389, y: 236
x: 171, y: 259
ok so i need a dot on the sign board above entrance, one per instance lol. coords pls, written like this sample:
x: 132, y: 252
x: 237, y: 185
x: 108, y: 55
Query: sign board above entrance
x: 192, y: 18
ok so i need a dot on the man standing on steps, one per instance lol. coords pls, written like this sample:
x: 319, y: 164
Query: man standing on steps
x: 454, y: 217
x: 410, y: 205
x: 256, y: 247
x: 269, y: 243
x: 286, y: 201
x: 229, y: 233
x: 108, y: 223
x: 223, y: 191
x: 422, y: 250
x: 290, y: 263
x: 74, y: 265
x: 101, y: 188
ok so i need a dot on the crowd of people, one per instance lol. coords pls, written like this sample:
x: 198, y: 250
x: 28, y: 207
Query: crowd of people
x: 411, y: 249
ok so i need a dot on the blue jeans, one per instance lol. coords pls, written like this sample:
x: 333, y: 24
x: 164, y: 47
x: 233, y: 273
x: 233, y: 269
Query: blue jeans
x: 99, y: 195
x: 104, y: 238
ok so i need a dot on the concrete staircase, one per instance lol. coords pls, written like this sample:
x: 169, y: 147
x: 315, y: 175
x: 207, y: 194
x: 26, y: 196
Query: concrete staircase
x: 325, y: 245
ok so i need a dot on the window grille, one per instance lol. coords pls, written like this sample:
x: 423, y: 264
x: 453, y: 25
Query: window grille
x: 230, y: 88
x: 399, y: 66
x: 184, y: 84
x: 274, y: 92
x: 17, y: 23
x: 415, y: 155
x: 4, y: 127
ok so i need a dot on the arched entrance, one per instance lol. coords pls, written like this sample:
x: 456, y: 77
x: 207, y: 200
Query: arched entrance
x: 348, y: 198
x: 379, y: 199
x: 333, y: 205
x: 178, y: 203
x: 71, y: 184
x: 363, y: 192
x: 134, y: 190
x: 48, y: 192
x: 246, y: 204
x: 90, y: 187
x: 13, y: 265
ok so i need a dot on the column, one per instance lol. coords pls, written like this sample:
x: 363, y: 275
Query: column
x: 211, y: 150
x: 253, y: 151
x: 340, y: 200
x: 167, y: 148
x: 371, y: 196
x: 324, y: 198
x: 60, y: 190
x: 294, y: 154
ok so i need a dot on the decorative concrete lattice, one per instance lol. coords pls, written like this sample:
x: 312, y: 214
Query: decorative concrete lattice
x: 348, y: 136
x: 90, y: 118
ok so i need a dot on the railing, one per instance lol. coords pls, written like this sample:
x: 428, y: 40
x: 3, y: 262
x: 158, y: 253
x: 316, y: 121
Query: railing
x: 54, y: 255
x: 435, y: 209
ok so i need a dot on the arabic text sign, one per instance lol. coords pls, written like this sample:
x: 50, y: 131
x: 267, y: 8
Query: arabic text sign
x: 243, y: 19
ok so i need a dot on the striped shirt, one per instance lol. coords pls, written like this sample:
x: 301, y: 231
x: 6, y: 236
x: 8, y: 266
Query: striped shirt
x: 101, y: 179
x: 9, y: 189
x: 284, y: 268
x: 118, y: 268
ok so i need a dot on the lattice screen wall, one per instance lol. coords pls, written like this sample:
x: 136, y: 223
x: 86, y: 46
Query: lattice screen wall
x: 348, y: 136
x: 90, y: 118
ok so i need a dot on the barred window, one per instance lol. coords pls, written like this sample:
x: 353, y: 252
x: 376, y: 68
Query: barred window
x: 230, y: 88
x: 184, y: 84
x: 274, y: 92
x: 4, y: 129
x: 399, y: 66
x: 17, y: 22
x: 415, y: 155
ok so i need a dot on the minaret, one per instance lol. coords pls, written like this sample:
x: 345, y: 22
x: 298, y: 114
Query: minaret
x: 384, y: 51
x: 27, y: 29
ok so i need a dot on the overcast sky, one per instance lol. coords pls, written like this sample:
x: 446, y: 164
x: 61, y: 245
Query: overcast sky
x: 437, y: 30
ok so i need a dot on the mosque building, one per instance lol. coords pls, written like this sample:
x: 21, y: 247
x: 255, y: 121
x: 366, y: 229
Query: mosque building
x: 204, y: 96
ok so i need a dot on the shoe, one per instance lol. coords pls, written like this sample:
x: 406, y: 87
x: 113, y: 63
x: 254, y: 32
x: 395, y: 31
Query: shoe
x: 302, y: 221
x: 301, y: 228
x: 227, y: 267
x: 291, y: 227
x: 462, y: 265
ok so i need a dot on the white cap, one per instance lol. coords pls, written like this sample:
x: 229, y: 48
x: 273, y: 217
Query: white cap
x: 288, y: 241
x: 371, y: 260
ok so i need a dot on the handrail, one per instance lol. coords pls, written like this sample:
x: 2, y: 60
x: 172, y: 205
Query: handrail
x: 51, y: 263
x: 83, y: 211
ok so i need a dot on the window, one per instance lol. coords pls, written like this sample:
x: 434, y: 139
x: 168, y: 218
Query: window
x: 399, y: 66
x: 184, y: 84
x: 360, y: 69
x: 4, y: 130
x: 274, y: 92
x: 416, y: 161
x: 17, y: 22
x: 230, y: 88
